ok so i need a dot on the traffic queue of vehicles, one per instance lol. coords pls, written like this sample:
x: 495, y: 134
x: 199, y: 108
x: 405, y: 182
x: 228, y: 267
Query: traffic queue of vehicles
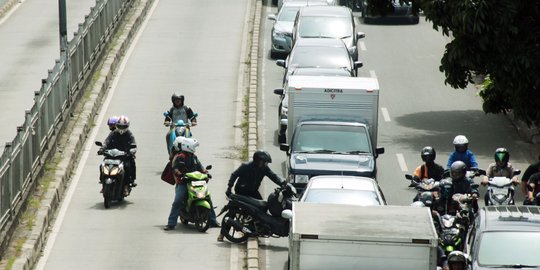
x: 328, y: 130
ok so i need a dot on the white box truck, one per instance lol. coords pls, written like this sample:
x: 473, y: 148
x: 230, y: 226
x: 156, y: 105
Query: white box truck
x: 331, y: 127
x: 334, y: 236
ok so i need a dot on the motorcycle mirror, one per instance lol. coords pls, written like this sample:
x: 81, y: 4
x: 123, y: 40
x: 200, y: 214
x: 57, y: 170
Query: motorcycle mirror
x: 209, y: 167
x: 517, y: 172
x: 166, y: 114
x: 409, y: 177
x: 287, y: 214
x: 195, y: 115
x: 131, y: 146
x: 481, y: 172
x: 98, y: 143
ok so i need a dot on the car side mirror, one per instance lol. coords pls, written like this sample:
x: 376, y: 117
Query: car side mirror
x: 271, y: 17
x: 358, y: 64
x: 360, y: 35
x: 278, y: 91
x: 379, y: 151
x: 284, y: 147
x: 280, y: 62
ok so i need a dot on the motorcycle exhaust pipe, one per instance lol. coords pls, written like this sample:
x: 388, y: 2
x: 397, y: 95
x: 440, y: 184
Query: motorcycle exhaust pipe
x: 236, y: 225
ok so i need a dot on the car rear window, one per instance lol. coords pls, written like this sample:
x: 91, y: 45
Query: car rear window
x: 332, y: 27
x: 337, y: 196
x: 508, y: 249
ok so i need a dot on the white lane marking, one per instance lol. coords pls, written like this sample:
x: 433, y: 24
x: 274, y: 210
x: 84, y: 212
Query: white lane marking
x: 385, y: 114
x: 88, y: 145
x: 372, y: 74
x: 11, y: 11
x: 362, y: 46
x: 401, y: 161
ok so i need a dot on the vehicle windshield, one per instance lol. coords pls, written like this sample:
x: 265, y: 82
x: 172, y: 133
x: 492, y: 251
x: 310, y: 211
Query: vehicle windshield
x: 323, y: 56
x: 332, y: 27
x: 342, y: 196
x: 332, y: 138
x: 508, y: 248
x: 287, y: 14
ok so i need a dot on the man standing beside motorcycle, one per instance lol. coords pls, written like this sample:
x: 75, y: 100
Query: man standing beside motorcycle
x: 179, y: 111
x: 462, y: 153
x: 185, y: 161
x: 248, y: 177
x: 122, y: 139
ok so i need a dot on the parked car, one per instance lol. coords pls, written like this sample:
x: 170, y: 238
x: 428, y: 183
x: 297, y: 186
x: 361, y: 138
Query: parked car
x: 320, y: 53
x: 327, y: 22
x: 505, y: 237
x: 284, y: 97
x: 311, y: 2
x: 281, y: 35
x: 397, y: 12
x: 343, y: 189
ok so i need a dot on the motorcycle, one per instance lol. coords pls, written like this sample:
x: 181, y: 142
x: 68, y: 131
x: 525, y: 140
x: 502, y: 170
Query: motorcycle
x: 177, y: 129
x: 500, y: 190
x: 112, y: 174
x: 248, y: 217
x: 198, y: 204
x: 424, y: 185
x: 452, y: 231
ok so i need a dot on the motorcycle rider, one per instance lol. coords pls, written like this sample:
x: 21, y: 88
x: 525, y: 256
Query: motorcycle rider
x: 122, y: 139
x: 532, y: 169
x: 462, y: 184
x: 501, y: 167
x: 179, y: 111
x: 533, y: 188
x: 185, y: 161
x: 462, y: 153
x: 249, y: 175
x: 457, y: 260
x: 111, y: 122
x: 430, y: 169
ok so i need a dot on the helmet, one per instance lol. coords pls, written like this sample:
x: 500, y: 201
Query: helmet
x: 428, y: 154
x: 189, y: 145
x: 122, y: 124
x: 112, y: 120
x: 501, y: 154
x: 177, y: 143
x: 418, y: 204
x: 461, y: 143
x: 446, y: 188
x: 458, y: 169
x: 426, y: 198
x: 177, y: 96
x: 457, y: 257
x: 261, y: 155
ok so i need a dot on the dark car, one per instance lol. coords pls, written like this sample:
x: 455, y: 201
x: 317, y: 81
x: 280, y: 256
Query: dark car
x: 505, y: 237
x: 319, y: 53
x: 397, y: 12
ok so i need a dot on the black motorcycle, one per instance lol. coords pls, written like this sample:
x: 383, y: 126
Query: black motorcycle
x: 113, y: 174
x: 248, y: 217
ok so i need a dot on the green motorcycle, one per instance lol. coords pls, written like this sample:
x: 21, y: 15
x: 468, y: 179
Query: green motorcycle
x: 198, y: 204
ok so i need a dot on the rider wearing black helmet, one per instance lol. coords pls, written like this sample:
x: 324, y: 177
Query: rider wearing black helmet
x: 430, y: 169
x: 461, y: 183
x: 248, y: 176
x: 501, y: 167
x: 179, y: 111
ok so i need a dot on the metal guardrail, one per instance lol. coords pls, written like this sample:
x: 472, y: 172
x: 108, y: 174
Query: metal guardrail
x: 20, y: 162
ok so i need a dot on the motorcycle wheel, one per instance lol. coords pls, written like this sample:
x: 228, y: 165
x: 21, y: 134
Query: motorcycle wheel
x: 229, y: 231
x: 202, y: 219
x: 107, y: 196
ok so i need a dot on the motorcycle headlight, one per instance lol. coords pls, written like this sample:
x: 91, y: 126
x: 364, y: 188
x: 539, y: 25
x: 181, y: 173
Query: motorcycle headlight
x: 105, y: 170
x: 114, y: 171
x: 200, y: 195
x: 301, y: 179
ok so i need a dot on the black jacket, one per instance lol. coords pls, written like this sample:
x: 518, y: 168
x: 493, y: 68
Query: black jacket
x: 464, y: 186
x: 119, y: 141
x: 250, y: 177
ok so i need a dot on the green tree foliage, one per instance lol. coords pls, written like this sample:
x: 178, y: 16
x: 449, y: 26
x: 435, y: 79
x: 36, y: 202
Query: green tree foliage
x: 497, y: 38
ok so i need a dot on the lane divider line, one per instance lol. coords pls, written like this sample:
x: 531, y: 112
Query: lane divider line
x: 385, y: 114
x: 401, y: 161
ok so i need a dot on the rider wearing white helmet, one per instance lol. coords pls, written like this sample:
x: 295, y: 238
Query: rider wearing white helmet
x: 462, y: 153
x: 185, y: 161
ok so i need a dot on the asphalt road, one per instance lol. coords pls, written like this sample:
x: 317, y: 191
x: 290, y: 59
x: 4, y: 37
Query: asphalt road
x: 184, y: 47
x: 29, y: 45
x: 416, y: 109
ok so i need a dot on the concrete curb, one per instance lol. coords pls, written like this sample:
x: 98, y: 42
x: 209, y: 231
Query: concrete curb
x: 6, y: 7
x: 253, y: 243
x: 85, y: 115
